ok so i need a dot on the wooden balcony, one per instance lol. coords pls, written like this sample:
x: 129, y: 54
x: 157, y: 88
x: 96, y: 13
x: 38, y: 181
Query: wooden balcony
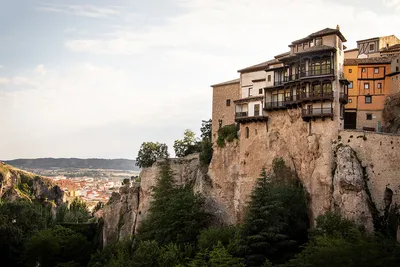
x: 275, y: 105
x: 243, y: 117
x: 343, y: 98
x: 314, y: 96
x: 313, y: 113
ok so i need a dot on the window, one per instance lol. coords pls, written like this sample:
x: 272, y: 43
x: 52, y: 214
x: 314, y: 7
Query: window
x: 366, y: 85
x: 260, y: 91
x: 228, y: 102
x: 379, y: 85
x: 369, y: 116
x: 368, y: 99
x: 397, y: 69
x: 350, y: 100
x: 350, y: 85
x: 269, y: 78
x: 250, y: 91
x: 371, y: 47
x: 363, y: 69
x: 257, y: 110
x: 350, y: 70
x: 376, y: 70
x: 247, y: 132
x: 318, y: 41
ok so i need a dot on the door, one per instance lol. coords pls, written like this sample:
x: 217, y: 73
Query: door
x: 257, y: 110
x: 350, y: 120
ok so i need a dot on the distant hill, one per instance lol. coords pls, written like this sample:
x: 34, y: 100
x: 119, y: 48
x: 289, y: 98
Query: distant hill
x: 62, y: 163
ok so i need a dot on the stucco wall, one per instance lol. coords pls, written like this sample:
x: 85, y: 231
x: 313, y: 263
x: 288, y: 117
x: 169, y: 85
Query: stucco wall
x: 220, y: 111
x: 380, y: 155
x: 363, y: 122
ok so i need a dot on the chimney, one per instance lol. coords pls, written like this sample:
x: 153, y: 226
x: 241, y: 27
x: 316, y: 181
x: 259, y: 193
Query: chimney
x: 338, y: 27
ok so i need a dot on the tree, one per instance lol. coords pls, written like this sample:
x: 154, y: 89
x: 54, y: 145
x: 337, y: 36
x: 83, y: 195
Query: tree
x: 276, y: 222
x: 176, y: 214
x: 52, y: 246
x: 149, y: 152
x: 206, y: 129
x: 187, y: 145
x: 340, y: 242
x: 217, y: 257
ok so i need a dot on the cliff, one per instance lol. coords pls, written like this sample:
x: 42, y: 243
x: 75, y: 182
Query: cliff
x: 352, y: 172
x: 391, y: 113
x: 17, y: 184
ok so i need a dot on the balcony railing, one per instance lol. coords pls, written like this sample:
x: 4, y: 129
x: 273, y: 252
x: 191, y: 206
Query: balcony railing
x: 317, y: 95
x: 277, y: 83
x: 241, y: 114
x: 274, y: 105
x: 293, y: 77
x: 317, y: 112
x: 317, y: 72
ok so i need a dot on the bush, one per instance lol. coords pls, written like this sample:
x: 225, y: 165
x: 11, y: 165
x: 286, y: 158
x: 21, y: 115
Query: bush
x: 210, y: 237
x: 149, y: 152
x: 227, y: 133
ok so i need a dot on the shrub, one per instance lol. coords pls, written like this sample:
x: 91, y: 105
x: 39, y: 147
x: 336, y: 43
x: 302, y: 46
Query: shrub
x: 227, y: 133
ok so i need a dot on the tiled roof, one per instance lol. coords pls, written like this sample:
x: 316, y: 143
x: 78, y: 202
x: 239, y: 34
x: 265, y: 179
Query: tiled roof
x: 282, y: 55
x: 350, y: 50
x: 326, y: 31
x: 391, y: 48
x: 371, y: 60
x: 316, y: 48
x: 226, y: 83
x: 260, y: 66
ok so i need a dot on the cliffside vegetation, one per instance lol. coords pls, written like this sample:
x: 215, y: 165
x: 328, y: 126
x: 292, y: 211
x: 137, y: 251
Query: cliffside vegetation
x: 228, y: 133
x: 177, y: 231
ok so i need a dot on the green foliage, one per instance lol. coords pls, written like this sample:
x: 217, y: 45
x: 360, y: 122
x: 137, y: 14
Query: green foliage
x: 172, y: 255
x: 98, y: 206
x: 187, y: 145
x: 149, y: 152
x: 217, y: 257
x: 206, y: 129
x: 228, y: 133
x: 146, y: 254
x: 175, y: 214
x: 276, y: 222
x: 78, y: 212
x: 56, y: 245
x: 206, y: 151
x: 210, y: 237
x: 115, y: 253
x: 126, y: 182
x: 340, y: 242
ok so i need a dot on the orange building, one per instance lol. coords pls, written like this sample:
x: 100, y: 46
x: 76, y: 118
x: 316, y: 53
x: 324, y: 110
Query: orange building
x: 369, y: 85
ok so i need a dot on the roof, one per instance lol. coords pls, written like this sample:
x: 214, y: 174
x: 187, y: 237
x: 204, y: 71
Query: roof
x: 391, y: 48
x: 260, y: 66
x: 351, y: 50
x: 326, y: 31
x: 282, y: 55
x: 316, y: 48
x: 226, y: 83
x: 371, y: 60
x: 374, y: 38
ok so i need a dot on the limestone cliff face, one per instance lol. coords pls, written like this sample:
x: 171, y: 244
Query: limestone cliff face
x: 120, y: 214
x: 350, y: 192
x: 40, y: 188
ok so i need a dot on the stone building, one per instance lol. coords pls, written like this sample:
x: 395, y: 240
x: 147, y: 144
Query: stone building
x: 223, y: 108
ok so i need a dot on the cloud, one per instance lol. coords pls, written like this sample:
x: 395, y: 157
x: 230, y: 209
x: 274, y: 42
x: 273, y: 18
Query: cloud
x: 392, y: 3
x: 40, y: 69
x: 4, y: 81
x: 89, y: 11
x: 1, y: 67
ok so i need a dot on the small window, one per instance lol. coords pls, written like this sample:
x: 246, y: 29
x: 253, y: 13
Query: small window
x: 350, y: 100
x: 350, y: 70
x: 250, y: 91
x: 363, y: 69
x: 371, y: 47
x: 269, y: 78
x: 379, y: 85
x: 366, y: 85
x: 260, y: 91
x: 397, y: 69
x: 228, y: 102
x: 318, y: 41
x: 350, y: 85
x: 247, y: 133
x: 368, y: 99
x: 369, y: 116
x: 376, y: 70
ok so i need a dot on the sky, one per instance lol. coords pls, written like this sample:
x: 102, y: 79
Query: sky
x: 96, y: 78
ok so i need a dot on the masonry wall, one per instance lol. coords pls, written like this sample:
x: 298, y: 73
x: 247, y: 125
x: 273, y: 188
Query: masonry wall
x: 363, y: 122
x: 220, y: 109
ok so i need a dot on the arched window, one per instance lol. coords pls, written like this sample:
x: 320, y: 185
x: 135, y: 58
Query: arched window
x: 247, y: 131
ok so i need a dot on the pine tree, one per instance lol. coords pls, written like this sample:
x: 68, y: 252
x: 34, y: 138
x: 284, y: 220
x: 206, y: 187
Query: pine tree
x: 276, y: 221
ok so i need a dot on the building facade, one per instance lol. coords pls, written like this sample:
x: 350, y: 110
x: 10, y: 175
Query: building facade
x: 309, y: 78
x: 223, y: 107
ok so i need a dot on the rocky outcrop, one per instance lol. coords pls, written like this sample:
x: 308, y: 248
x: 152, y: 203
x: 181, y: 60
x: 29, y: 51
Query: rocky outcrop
x: 350, y: 192
x: 120, y: 214
x: 17, y: 184
x: 391, y: 113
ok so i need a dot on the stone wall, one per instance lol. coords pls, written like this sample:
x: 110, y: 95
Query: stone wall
x: 363, y: 122
x: 221, y: 93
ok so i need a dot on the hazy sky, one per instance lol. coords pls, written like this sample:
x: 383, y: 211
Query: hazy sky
x: 96, y: 78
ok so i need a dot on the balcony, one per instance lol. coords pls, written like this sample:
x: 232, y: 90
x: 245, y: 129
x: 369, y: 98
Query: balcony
x: 291, y: 78
x: 275, y: 105
x: 316, y: 73
x: 313, y: 113
x: 343, y: 98
x: 278, y: 83
x: 313, y: 96
x: 292, y: 100
x: 243, y: 117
